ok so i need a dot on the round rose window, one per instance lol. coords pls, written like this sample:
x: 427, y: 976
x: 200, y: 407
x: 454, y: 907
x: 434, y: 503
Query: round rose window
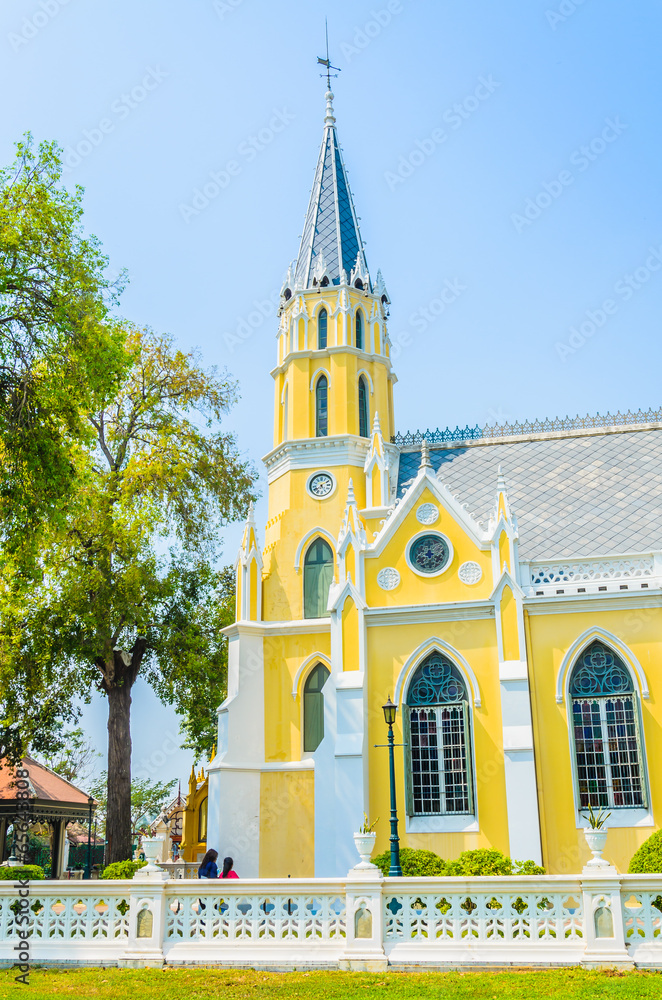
x: 429, y: 553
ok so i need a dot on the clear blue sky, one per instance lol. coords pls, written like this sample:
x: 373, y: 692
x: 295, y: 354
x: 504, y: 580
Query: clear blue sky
x: 170, y: 92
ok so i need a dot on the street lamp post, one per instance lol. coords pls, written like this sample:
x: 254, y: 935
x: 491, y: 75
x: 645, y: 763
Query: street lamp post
x: 389, y: 714
x: 88, y: 866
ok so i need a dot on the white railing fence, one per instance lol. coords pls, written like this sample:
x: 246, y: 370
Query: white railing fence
x: 362, y: 922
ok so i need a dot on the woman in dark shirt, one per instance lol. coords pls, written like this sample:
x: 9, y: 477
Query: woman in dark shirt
x: 208, y: 867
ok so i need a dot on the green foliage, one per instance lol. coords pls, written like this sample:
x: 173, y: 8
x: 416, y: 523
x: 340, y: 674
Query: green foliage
x: 647, y: 860
x: 482, y: 861
x: 413, y: 862
x: 74, y: 759
x: 122, y: 869
x: 61, y: 352
x: 8, y: 874
x: 147, y: 800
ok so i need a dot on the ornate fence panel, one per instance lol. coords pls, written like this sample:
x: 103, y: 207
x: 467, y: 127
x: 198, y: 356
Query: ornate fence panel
x: 285, y: 923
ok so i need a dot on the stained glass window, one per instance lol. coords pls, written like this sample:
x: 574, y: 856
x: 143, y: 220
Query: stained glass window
x: 359, y: 330
x: 438, y: 734
x: 317, y: 577
x: 364, y: 419
x: 429, y: 553
x: 322, y: 323
x: 605, y: 718
x: 321, y: 407
x: 313, y: 708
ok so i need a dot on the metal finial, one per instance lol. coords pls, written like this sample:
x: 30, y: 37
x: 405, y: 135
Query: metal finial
x: 329, y: 119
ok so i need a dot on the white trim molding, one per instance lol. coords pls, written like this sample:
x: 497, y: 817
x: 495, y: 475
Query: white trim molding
x: 310, y: 661
x: 587, y: 637
x: 361, y: 372
x: 318, y: 372
x: 303, y: 544
x: 453, y: 654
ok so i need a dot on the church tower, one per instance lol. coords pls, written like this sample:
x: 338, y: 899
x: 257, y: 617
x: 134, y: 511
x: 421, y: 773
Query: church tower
x: 333, y: 383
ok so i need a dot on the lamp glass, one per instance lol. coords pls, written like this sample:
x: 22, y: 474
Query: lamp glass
x: 389, y: 712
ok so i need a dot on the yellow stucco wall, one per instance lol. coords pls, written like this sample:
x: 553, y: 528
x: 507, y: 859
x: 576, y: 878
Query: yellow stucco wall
x: 287, y: 824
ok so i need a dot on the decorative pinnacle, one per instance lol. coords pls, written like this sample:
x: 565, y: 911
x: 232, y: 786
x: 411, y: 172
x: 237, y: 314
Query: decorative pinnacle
x: 329, y: 118
x: 501, y: 482
x: 425, y: 455
x: 350, y: 493
x: 251, y: 513
x: 376, y: 428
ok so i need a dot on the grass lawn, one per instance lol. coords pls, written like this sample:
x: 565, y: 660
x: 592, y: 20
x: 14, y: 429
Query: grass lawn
x: 145, y: 984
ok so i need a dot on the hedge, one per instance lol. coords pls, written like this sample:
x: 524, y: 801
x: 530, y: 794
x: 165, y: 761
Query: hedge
x: 648, y: 859
x: 122, y: 869
x: 482, y: 861
x: 8, y: 874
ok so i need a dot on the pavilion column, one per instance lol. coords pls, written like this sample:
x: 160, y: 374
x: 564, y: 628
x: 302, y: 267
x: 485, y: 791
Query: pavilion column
x: 3, y: 838
x: 57, y: 851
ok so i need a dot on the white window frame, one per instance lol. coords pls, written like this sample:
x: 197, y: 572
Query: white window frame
x: 444, y: 568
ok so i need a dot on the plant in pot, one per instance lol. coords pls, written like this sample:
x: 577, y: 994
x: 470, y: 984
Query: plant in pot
x: 596, y: 835
x: 365, y: 841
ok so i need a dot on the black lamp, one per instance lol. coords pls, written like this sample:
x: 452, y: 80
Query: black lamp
x: 390, y: 711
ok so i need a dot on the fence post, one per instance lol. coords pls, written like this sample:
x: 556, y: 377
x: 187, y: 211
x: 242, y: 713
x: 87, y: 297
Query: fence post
x: 147, y: 912
x: 603, y: 922
x: 364, y: 943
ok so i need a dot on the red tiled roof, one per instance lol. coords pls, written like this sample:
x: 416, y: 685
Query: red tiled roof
x: 47, y: 786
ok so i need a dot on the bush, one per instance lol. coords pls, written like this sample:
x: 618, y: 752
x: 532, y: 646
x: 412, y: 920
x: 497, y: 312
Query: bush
x: 8, y: 874
x: 482, y: 861
x: 648, y: 859
x: 122, y: 869
x: 485, y: 861
x: 413, y: 862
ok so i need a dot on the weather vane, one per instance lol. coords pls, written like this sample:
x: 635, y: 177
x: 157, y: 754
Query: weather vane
x: 327, y: 62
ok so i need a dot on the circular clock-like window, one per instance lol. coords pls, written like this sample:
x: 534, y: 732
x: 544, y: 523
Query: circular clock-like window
x: 320, y: 485
x: 429, y: 554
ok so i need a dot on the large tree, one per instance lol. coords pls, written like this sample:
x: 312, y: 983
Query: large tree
x: 129, y: 583
x: 61, y: 350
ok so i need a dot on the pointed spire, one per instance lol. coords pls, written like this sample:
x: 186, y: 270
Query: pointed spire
x: 331, y: 227
x: 425, y: 455
x: 351, y: 499
x: 376, y: 427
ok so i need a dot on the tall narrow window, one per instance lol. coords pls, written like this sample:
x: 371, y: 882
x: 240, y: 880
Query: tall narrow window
x: 321, y: 407
x: 313, y: 708
x: 437, y: 724
x: 322, y: 323
x: 605, y: 718
x: 202, y: 821
x: 364, y: 417
x: 359, y: 330
x: 317, y: 577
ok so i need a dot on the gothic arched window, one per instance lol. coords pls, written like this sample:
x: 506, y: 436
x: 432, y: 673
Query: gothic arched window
x: 438, y: 732
x: 322, y: 324
x: 606, y: 733
x: 317, y: 577
x: 358, y: 341
x: 202, y: 821
x: 321, y: 407
x: 364, y: 416
x: 313, y: 708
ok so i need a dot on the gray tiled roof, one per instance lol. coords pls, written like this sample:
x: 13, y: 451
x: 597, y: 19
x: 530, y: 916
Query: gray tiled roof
x: 331, y: 227
x: 573, y: 496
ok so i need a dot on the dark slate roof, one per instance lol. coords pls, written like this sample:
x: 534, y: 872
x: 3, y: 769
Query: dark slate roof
x: 572, y: 496
x: 331, y: 227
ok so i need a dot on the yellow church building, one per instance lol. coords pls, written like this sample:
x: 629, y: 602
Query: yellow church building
x: 503, y: 585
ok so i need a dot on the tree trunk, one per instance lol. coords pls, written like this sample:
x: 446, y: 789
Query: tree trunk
x: 118, y: 814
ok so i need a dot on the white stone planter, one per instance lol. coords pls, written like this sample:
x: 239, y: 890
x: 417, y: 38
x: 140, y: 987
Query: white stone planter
x: 596, y: 840
x: 152, y: 849
x: 365, y: 845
